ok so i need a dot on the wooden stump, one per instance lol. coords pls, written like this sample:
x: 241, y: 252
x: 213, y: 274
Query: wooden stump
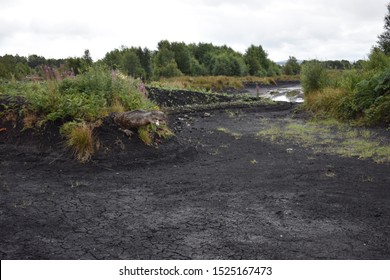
x: 138, y: 118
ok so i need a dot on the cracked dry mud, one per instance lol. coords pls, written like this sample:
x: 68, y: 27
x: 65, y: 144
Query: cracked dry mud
x: 205, y: 194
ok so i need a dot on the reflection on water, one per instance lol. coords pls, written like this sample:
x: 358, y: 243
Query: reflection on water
x: 288, y: 93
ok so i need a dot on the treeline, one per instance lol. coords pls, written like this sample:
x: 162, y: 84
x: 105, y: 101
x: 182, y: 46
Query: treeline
x: 203, y: 59
x: 36, y: 67
x: 169, y: 60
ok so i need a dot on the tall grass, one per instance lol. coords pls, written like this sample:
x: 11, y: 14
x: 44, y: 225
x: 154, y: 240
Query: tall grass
x: 358, y: 96
x: 218, y: 83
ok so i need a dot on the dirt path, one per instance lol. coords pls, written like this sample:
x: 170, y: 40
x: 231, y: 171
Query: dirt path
x: 217, y: 191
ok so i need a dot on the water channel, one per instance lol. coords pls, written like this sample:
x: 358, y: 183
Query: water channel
x: 287, y: 92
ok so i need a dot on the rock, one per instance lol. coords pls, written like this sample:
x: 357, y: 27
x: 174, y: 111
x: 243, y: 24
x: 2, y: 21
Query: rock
x: 138, y: 118
x: 206, y: 115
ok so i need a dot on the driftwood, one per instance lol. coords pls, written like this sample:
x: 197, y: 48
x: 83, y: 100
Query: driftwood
x: 138, y: 118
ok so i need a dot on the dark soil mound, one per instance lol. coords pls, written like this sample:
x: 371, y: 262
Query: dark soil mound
x: 174, y: 98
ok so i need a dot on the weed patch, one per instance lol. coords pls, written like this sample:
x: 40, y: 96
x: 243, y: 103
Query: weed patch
x: 218, y: 83
x: 329, y: 137
x: 148, y: 133
x: 80, y: 102
x: 235, y: 135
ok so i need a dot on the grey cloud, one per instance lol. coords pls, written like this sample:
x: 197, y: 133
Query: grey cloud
x: 59, y: 29
x: 248, y: 3
x: 302, y: 28
x: 9, y: 27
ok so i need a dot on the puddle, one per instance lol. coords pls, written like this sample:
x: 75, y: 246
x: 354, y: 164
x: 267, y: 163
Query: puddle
x: 291, y: 92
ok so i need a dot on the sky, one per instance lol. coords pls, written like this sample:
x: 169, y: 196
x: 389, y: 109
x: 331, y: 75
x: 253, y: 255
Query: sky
x: 306, y: 29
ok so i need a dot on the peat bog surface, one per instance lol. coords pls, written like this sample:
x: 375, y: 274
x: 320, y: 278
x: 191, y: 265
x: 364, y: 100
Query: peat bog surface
x: 214, y: 191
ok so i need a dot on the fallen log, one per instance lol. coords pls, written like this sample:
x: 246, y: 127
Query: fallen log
x: 138, y: 118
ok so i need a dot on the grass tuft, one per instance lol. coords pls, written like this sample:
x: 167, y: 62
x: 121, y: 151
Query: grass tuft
x: 80, y: 139
x: 236, y: 135
x: 148, y: 133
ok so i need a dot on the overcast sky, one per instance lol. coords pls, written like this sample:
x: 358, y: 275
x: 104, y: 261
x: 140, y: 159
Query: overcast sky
x: 306, y: 29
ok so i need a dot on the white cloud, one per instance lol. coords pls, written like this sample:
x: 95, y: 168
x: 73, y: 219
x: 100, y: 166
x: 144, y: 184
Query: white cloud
x: 332, y: 29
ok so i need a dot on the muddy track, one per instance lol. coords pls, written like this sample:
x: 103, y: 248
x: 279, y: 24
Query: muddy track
x: 215, y: 191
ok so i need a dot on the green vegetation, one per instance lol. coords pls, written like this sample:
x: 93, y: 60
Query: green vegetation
x: 176, y: 59
x: 80, y: 139
x: 218, y: 83
x: 360, y: 96
x: 220, y: 105
x: 235, y: 135
x: 148, y: 133
x: 313, y: 76
x: 88, y: 96
x: 384, y: 38
x: 292, y: 66
x: 79, y: 103
x: 171, y: 59
x: 328, y: 136
x: 357, y: 96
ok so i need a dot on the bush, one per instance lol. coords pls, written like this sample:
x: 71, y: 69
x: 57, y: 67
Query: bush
x: 313, y: 76
x: 88, y: 96
x: 377, y: 61
x: 358, y: 95
x: 379, y: 111
x: 373, y: 98
x: 82, y: 100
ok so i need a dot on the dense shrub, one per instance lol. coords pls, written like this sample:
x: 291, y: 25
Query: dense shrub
x: 80, y: 102
x: 362, y: 96
x: 313, y: 76
x: 87, y: 96
x: 372, y: 98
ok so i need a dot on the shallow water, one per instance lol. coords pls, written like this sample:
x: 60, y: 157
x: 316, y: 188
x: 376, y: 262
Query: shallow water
x: 287, y: 93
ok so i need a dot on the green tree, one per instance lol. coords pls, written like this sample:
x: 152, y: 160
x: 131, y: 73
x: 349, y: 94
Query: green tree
x: 292, y: 66
x: 87, y: 58
x: 228, y: 64
x: 145, y: 58
x: 131, y: 64
x: 135, y: 62
x: 377, y: 61
x: 113, y: 59
x: 14, y: 67
x: 384, y: 38
x: 203, y: 53
x: 22, y: 70
x: 198, y: 69
x: 164, y: 63
x: 8, y: 64
x: 34, y: 60
x: 257, y: 61
x: 182, y: 57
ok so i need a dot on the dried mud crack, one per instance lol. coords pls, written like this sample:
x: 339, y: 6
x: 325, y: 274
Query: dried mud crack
x: 215, y: 191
